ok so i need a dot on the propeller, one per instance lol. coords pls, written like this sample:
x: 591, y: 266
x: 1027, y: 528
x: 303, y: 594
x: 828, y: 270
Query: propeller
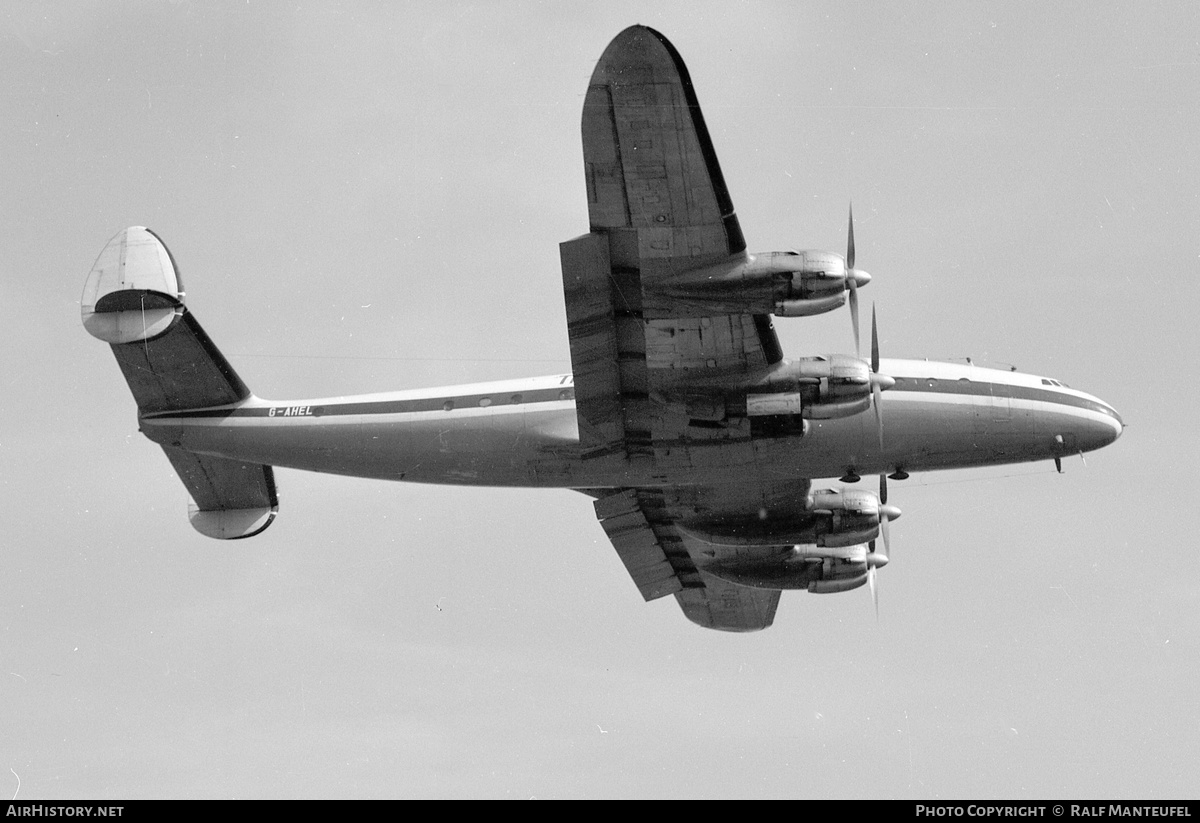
x: 854, y: 279
x: 879, y: 382
x: 875, y: 558
x: 853, y: 282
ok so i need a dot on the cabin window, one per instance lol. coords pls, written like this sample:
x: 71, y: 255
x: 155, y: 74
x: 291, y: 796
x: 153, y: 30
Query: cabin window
x: 566, y: 394
x: 484, y: 402
x: 516, y: 399
x: 448, y: 405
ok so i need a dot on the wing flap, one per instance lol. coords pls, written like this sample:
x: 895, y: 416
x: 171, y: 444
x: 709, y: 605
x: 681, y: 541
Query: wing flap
x: 637, y: 545
x: 593, y: 337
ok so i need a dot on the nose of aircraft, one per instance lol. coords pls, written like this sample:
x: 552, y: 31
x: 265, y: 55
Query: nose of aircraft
x: 1099, y: 430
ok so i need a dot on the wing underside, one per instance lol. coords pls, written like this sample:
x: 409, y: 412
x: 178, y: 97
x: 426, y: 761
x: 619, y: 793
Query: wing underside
x: 658, y: 205
x: 649, y: 528
x: 644, y: 365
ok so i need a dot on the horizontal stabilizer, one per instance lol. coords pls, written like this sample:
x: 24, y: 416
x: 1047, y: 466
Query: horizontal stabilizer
x: 232, y: 498
x: 133, y: 299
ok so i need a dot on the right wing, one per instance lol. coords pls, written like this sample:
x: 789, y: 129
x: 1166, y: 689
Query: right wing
x: 658, y: 206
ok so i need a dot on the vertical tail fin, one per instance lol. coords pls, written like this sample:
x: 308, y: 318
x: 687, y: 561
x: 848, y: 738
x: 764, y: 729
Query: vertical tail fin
x: 134, y: 300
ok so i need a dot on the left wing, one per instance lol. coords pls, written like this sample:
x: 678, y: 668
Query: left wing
x: 654, y: 533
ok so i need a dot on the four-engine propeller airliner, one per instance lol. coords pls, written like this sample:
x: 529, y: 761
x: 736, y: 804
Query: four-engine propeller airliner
x: 697, y: 438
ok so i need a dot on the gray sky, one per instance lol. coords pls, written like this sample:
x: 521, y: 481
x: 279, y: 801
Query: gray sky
x: 366, y: 197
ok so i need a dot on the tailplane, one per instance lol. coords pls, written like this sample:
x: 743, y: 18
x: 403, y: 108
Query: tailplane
x: 134, y: 300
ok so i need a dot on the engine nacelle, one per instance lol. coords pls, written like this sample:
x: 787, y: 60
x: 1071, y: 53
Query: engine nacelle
x: 841, y: 584
x: 819, y: 570
x: 848, y: 516
x: 785, y: 283
x: 827, y: 520
x: 818, y: 283
x: 817, y: 388
x: 842, y: 569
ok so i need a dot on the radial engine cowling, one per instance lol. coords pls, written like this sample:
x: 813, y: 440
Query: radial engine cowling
x: 819, y: 570
x: 844, y: 569
x: 848, y: 516
x: 784, y: 283
x: 818, y: 388
x: 817, y: 283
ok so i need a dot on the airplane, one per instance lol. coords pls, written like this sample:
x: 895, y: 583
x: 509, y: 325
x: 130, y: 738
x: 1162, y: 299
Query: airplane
x: 698, y: 440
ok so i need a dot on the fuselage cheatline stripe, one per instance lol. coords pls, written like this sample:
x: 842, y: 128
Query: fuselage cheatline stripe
x: 917, y: 385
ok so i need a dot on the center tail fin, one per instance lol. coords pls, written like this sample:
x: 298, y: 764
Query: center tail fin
x: 134, y: 300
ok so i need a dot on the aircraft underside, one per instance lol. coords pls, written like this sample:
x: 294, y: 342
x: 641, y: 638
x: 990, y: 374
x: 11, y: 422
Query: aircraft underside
x: 697, y: 439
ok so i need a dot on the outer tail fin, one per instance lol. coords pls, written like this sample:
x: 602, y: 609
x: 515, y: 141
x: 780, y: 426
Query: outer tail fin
x: 134, y: 300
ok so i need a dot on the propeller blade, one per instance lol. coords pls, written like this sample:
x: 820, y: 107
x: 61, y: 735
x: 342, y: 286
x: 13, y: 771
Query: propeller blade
x: 876, y: 388
x: 852, y: 281
x: 874, y: 590
x: 874, y: 560
x: 850, y: 240
x: 876, y: 398
x: 874, y: 341
x: 886, y: 515
x: 854, y: 316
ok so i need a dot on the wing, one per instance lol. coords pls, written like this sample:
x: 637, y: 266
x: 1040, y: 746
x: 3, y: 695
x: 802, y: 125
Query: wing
x: 649, y: 528
x: 648, y: 158
x: 653, y: 374
x: 658, y: 205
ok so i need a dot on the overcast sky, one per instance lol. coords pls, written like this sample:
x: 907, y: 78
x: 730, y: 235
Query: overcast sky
x: 367, y: 197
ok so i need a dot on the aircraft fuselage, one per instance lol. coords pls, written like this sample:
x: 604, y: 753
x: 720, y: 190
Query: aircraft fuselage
x: 525, y: 433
